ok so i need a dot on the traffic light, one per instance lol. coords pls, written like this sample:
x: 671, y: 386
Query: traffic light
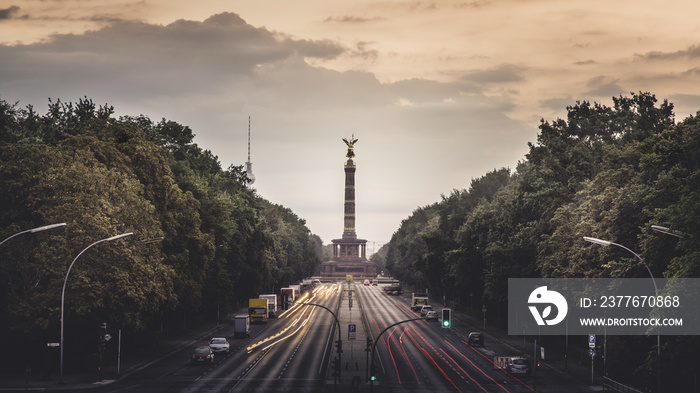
x: 336, y: 367
x: 446, y: 317
x: 339, y: 346
x: 373, y: 373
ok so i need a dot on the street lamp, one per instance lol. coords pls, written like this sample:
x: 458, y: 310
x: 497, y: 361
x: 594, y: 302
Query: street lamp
x: 35, y: 230
x: 653, y: 280
x: 668, y: 231
x: 609, y: 243
x: 63, y: 293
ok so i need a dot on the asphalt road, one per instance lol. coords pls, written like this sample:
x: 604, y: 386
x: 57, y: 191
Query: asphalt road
x: 295, y: 352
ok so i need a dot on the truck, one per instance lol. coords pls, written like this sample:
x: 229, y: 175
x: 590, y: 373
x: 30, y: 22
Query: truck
x: 287, y: 297
x: 418, y: 300
x: 297, y: 290
x: 241, y: 325
x: 271, y: 304
x: 258, y: 309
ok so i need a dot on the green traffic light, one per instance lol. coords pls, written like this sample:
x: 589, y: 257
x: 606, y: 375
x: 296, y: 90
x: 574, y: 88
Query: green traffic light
x: 373, y: 378
x: 445, y: 323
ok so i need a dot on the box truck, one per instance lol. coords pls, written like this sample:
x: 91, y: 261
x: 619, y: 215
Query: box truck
x: 257, y: 309
x: 241, y: 325
x: 271, y: 304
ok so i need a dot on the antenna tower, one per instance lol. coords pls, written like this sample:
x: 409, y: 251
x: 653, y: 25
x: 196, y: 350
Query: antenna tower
x: 248, y: 164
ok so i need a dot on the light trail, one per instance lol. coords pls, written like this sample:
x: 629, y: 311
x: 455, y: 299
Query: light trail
x: 494, y: 365
x: 474, y: 365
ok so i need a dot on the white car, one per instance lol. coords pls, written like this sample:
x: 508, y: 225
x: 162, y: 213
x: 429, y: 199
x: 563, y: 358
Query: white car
x: 424, y: 310
x: 431, y: 316
x: 219, y: 344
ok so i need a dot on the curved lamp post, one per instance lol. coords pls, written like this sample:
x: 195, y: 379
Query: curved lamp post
x: 35, y: 230
x: 653, y: 280
x: 63, y: 293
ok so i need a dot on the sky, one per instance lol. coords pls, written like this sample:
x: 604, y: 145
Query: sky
x: 437, y: 93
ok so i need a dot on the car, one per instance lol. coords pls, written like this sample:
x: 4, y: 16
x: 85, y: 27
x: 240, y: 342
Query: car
x: 219, y: 344
x: 431, y: 316
x: 394, y: 290
x: 519, y: 366
x: 424, y: 310
x: 366, y: 282
x: 202, y: 354
x: 475, y: 338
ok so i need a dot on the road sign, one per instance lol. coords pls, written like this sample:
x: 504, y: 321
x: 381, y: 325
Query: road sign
x: 591, y: 340
x: 53, y: 344
x: 591, y: 351
x: 352, y: 331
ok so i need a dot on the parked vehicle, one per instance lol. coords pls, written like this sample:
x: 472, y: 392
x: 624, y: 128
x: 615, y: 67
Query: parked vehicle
x: 418, y: 300
x: 219, y: 344
x: 202, y: 354
x: 424, y: 310
x: 271, y: 304
x: 258, y: 309
x: 475, y: 338
x: 241, y: 325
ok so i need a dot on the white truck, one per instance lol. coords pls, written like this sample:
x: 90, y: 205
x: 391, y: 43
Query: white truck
x: 418, y: 300
x: 241, y: 325
x: 271, y: 304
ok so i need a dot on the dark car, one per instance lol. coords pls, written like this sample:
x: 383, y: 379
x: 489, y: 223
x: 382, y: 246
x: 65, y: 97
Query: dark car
x: 476, y: 338
x: 394, y: 290
x: 202, y: 354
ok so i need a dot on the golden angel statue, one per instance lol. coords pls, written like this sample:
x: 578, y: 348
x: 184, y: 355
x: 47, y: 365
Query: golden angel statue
x: 351, y: 144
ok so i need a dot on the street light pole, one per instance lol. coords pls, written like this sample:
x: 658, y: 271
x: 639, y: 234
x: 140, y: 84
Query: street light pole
x: 35, y: 230
x: 63, y: 292
x: 653, y: 280
x: 668, y: 231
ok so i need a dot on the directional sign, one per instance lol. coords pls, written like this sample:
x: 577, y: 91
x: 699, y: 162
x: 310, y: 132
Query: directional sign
x: 591, y: 351
x: 352, y: 331
x: 591, y: 340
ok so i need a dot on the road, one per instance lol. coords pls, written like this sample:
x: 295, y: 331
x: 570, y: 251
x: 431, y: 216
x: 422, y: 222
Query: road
x: 421, y: 355
x: 294, y: 352
x: 288, y: 354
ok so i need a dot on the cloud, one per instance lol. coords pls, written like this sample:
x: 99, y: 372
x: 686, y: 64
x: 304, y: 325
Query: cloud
x: 691, y: 52
x: 500, y: 74
x: 603, y: 86
x: 8, y: 13
x: 557, y: 104
x: 351, y: 19
x: 184, y: 56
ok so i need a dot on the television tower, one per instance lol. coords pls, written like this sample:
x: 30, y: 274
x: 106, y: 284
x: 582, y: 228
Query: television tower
x: 248, y: 164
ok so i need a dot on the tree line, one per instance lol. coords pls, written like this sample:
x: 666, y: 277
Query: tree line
x: 603, y: 172
x: 103, y: 176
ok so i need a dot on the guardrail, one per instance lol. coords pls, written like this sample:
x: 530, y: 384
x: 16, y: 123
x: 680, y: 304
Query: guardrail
x: 614, y: 386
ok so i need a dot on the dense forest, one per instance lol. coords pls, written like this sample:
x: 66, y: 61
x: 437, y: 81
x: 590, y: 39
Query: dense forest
x: 603, y: 172
x: 104, y: 176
